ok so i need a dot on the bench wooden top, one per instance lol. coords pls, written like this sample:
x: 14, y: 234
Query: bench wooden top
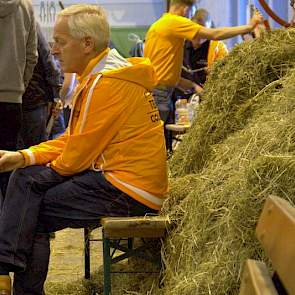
x: 276, y: 233
x: 256, y: 279
x: 138, y: 226
x: 177, y: 128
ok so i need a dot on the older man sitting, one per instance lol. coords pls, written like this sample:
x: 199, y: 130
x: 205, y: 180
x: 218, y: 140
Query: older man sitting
x: 110, y: 162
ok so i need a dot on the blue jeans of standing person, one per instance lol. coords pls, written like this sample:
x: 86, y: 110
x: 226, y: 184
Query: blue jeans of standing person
x: 33, y: 129
x: 163, y: 98
x: 59, y: 126
x: 39, y: 201
x: 10, y: 123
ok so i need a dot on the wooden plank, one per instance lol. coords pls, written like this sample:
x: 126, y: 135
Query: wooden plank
x: 256, y: 279
x: 129, y: 227
x: 180, y: 129
x: 276, y: 233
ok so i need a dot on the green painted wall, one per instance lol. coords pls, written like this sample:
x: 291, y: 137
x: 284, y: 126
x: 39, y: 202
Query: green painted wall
x: 119, y: 37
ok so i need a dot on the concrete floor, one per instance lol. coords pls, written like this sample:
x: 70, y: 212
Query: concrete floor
x: 67, y: 257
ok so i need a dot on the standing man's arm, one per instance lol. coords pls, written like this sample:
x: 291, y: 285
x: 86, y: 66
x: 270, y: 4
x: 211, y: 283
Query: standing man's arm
x: 229, y: 32
x: 31, y: 51
x: 186, y: 84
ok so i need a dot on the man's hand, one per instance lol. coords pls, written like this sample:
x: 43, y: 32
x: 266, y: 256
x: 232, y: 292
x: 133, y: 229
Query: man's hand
x: 10, y: 161
x: 256, y: 19
x: 187, y: 86
x: 198, y: 89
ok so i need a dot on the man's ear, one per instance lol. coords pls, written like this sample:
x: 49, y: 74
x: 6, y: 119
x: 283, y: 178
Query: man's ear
x: 89, y: 44
x: 185, y: 11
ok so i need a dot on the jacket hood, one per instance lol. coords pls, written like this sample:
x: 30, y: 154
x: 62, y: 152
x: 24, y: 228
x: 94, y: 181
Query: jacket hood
x: 7, y: 7
x: 137, y: 70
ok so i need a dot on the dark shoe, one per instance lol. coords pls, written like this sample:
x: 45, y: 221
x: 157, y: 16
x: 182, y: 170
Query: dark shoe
x: 5, y: 285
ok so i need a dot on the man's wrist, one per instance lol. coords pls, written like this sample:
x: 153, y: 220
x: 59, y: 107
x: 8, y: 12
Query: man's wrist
x: 22, y: 159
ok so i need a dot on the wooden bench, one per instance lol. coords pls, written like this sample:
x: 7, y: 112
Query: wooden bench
x: 276, y: 233
x: 118, y: 229
x: 176, y: 133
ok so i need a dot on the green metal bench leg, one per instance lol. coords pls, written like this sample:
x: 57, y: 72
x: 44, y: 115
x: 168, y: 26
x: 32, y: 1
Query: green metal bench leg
x: 86, y: 253
x: 130, y: 243
x: 106, y: 266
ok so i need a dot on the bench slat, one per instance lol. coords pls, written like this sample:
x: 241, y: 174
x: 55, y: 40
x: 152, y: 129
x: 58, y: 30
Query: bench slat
x: 131, y: 227
x: 276, y: 233
x: 256, y: 279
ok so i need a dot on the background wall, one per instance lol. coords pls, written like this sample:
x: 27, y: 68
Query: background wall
x: 127, y: 16
x: 235, y: 12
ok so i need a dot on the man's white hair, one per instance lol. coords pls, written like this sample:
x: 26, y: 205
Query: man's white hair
x: 88, y: 21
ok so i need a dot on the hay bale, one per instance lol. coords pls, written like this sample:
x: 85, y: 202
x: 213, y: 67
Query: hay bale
x: 239, y: 150
x: 247, y: 71
x: 121, y: 283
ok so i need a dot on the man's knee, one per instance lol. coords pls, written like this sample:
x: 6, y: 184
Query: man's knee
x: 22, y: 177
x: 27, y: 172
x: 38, y: 176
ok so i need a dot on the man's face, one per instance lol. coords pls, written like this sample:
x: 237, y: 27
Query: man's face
x: 187, y: 11
x: 70, y: 51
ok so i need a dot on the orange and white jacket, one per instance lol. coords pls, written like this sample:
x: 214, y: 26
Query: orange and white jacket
x: 114, y: 128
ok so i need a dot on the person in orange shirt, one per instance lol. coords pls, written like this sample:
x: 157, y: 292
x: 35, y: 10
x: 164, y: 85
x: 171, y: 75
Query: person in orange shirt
x: 111, y: 161
x: 164, y: 47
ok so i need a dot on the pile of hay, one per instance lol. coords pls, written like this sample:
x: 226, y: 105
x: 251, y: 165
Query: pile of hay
x: 240, y: 149
x: 127, y: 276
x: 247, y: 72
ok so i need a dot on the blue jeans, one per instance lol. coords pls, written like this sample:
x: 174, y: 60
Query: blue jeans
x: 10, y: 124
x: 33, y: 130
x: 58, y: 127
x: 162, y: 96
x: 39, y: 201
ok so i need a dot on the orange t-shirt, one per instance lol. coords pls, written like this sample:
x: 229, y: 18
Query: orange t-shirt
x: 164, y: 46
